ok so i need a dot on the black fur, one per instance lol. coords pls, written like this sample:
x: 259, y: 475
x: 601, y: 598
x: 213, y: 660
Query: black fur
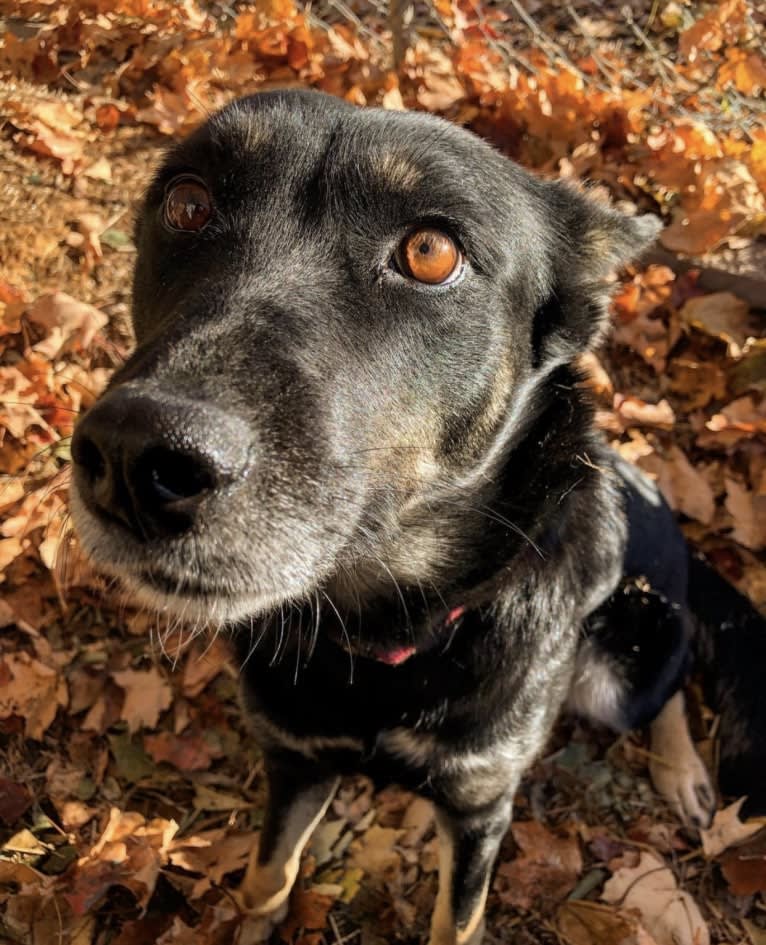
x: 339, y: 463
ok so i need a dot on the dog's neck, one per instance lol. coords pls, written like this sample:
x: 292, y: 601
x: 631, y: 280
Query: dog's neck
x: 455, y: 553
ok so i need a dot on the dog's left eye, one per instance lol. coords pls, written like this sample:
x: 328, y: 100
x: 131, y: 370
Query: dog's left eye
x: 188, y: 204
x: 430, y: 256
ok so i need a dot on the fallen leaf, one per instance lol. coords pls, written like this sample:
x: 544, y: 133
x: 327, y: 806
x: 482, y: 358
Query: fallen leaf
x: 48, y: 127
x: 757, y: 935
x: 187, y: 752
x: 697, y: 382
x: 700, y: 231
x: 748, y: 511
x: 590, y: 923
x: 203, y: 664
x: 633, y: 411
x: 15, y: 801
x: 375, y: 852
x: 308, y: 913
x: 744, y: 866
x: 721, y: 315
x: 740, y: 420
x: 130, y: 852
x: 682, y: 484
x: 749, y: 373
x: 669, y: 914
x: 30, y: 690
x: 67, y: 323
x: 727, y: 829
x: 147, y: 696
x: 212, y: 855
x: 544, y: 872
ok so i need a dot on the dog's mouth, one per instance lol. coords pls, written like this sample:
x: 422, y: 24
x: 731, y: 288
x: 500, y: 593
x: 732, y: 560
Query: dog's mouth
x: 169, y: 580
x: 183, y: 587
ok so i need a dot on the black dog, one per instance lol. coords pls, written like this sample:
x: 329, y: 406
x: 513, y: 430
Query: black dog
x: 353, y: 433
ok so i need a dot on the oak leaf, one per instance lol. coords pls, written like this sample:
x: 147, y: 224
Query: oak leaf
x: 727, y: 829
x: 31, y: 690
x: 147, y: 696
x: 669, y: 914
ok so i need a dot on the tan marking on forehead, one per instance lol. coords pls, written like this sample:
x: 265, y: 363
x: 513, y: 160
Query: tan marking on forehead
x: 395, y: 170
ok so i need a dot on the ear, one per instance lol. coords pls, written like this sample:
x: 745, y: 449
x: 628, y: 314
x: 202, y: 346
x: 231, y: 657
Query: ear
x: 589, y: 242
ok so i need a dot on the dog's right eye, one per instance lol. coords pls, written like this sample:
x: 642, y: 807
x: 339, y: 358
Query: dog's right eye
x: 188, y: 204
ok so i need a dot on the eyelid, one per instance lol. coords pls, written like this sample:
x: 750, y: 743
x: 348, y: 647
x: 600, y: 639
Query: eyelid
x: 179, y: 176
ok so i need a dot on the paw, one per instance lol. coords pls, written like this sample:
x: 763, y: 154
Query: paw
x: 257, y: 925
x: 449, y: 935
x: 686, y: 787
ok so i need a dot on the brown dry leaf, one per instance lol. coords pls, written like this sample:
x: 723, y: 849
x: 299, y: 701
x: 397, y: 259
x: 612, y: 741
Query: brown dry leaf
x: 633, y: 411
x: 723, y: 24
x: 650, y: 337
x: 147, y: 696
x: 67, y: 323
x: 17, y: 396
x: 31, y: 690
x: 749, y: 373
x: 696, y: 382
x: 721, y: 315
x: 90, y: 226
x: 544, y: 872
x: 700, y: 232
x: 756, y: 934
x: 171, y: 112
x: 375, y: 852
x: 727, y: 829
x: 744, y: 866
x: 745, y: 71
x: 15, y: 801
x: 51, y: 128
x: 683, y: 485
x: 33, y: 915
x: 203, y: 664
x: 740, y: 420
x: 668, y: 913
x: 440, y: 92
x: 130, y: 853
x: 748, y: 510
x: 307, y: 915
x: 212, y: 854
x: 187, y: 752
x: 591, y: 923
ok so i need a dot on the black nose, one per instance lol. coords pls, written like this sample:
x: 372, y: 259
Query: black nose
x: 148, y: 459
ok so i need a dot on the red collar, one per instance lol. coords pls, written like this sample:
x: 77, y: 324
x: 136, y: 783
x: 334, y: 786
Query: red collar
x: 401, y: 654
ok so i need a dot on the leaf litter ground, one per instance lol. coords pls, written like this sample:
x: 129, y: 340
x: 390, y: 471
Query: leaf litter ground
x: 130, y: 792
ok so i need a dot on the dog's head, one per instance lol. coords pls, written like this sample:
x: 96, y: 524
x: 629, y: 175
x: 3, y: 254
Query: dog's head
x: 341, y: 316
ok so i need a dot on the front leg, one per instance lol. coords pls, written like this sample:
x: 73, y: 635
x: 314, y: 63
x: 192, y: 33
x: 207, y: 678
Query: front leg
x: 299, y: 793
x: 468, y: 845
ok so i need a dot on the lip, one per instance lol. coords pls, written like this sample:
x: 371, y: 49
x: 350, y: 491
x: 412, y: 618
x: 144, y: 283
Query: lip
x: 178, y: 587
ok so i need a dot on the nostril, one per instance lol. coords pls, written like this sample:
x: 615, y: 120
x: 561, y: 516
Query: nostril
x: 168, y: 476
x: 87, y: 455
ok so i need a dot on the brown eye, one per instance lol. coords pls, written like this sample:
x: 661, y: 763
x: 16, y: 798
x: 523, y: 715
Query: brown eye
x: 188, y: 205
x: 429, y: 256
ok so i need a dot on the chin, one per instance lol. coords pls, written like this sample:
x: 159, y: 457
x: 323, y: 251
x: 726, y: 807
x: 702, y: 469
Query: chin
x: 145, y: 583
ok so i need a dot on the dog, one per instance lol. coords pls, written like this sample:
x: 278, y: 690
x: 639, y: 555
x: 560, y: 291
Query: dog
x: 354, y: 434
